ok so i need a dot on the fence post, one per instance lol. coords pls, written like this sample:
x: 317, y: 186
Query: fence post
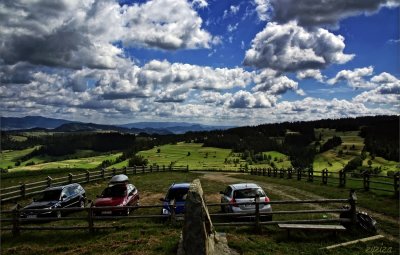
x: 396, y: 184
x: 269, y: 172
x: 49, y: 179
x: 257, y: 219
x: 353, y: 201
x: 102, y: 173
x: 310, y: 175
x: 124, y: 170
x: 342, y: 178
x: 172, y: 207
x: 90, y: 219
x: 70, y: 177
x: 366, y: 181
x: 163, y: 168
x: 87, y: 176
x: 324, y: 176
x: 143, y: 169
x: 114, y: 171
x: 151, y: 169
x: 16, y: 221
x: 299, y: 174
x: 158, y: 168
x: 275, y: 172
x: 289, y: 175
x: 281, y: 173
x: 22, y: 189
x: 134, y: 169
x: 264, y: 171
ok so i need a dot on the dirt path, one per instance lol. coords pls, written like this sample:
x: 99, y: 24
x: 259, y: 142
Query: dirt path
x: 292, y: 193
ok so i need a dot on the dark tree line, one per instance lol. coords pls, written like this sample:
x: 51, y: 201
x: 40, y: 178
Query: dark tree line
x: 331, y: 143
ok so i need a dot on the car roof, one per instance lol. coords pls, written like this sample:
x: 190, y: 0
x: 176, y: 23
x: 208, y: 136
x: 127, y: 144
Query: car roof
x: 62, y: 187
x: 119, y: 178
x: 244, y: 186
x: 180, y: 185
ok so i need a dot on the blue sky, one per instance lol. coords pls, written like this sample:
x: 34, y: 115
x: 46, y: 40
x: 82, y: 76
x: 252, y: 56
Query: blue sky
x: 205, y: 61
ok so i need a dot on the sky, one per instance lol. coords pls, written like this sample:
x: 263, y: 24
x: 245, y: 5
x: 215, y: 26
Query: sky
x: 218, y: 62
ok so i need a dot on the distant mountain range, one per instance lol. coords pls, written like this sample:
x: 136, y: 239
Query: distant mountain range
x: 37, y: 123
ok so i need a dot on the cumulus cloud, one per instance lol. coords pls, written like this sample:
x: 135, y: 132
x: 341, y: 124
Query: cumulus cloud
x: 310, y: 73
x: 268, y: 81
x: 387, y: 91
x: 165, y: 24
x: 324, y: 12
x: 354, y: 78
x: 290, y: 47
x: 245, y: 99
x: 263, y: 8
x: 76, y: 34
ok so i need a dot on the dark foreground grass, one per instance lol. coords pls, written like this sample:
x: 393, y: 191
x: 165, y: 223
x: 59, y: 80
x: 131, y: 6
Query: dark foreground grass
x: 153, y: 237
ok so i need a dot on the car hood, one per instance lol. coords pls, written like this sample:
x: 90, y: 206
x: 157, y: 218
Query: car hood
x: 109, y: 201
x: 180, y: 206
x: 41, y: 204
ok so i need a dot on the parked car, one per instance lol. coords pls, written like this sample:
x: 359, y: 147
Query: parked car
x: 118, y: 193
x: 71, y: 195
x: 242, y: 193
x: 177, y: 192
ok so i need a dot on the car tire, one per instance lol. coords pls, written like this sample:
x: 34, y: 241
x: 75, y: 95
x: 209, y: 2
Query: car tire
x: 82, y: 203
x: 128, y: 211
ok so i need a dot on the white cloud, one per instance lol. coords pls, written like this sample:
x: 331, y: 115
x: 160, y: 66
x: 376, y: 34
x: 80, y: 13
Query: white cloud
x: 232, y: 28
x: 263, y: 8
x: 310, y: 73
x: 325, y: 12
x: 355, y: 78
x: 290, y: 47
x: 268, y: 81
x: 152, y: 25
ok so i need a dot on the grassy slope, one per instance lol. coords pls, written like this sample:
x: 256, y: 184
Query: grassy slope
x: 9, y: 157
x: 147, y: 237
x: 334, y: 162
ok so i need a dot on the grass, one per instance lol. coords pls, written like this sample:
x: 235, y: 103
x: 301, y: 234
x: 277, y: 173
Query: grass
x: 192, y: 154
x: 148, y: 237
x: 80, y: 162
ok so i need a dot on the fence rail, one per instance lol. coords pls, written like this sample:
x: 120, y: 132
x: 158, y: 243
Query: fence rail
x: 24, y: 190
x: 17, y: 221
x: 368, y: 181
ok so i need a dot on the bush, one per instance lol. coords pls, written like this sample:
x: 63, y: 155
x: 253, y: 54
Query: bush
x: 353, y: 164
x: 137, y: 160
x: 31, y: 163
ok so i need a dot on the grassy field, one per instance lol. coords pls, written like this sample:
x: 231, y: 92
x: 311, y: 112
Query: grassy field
x: 191, y: 154
x: 149, y: 237
x: 10, y: 157
x: 352, y: 145
x: 81, y: 162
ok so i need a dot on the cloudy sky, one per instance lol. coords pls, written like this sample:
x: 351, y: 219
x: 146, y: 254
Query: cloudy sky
x: 207, y: 61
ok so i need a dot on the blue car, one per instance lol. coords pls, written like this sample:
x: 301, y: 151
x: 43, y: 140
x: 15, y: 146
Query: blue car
x: 177, y: 192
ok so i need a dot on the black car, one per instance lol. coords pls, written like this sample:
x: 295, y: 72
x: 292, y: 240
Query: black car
x: 71, y: 195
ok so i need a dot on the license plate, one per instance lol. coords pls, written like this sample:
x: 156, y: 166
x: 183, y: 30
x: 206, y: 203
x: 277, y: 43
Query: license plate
x: 31, y: 216
x: 106, y: 212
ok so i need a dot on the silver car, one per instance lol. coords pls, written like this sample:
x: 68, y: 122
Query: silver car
x: 242, y: 193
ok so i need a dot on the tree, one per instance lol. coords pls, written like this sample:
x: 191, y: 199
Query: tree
x: 369, y: 163
x: 188, y: 154
x: 158, y: 150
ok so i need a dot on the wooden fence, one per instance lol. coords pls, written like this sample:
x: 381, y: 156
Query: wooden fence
x: 29, y: 189
x: 366, y: 181
x: 16, y: 223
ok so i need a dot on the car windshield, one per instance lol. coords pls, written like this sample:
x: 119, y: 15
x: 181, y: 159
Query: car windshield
x: 114, y: 191
x: 177, y: 194
x: 50, y: 195
x: 248, y: 193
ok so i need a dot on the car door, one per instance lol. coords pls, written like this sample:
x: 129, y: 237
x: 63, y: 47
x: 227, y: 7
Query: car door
x: 65, y: 197
x: 226, y: 197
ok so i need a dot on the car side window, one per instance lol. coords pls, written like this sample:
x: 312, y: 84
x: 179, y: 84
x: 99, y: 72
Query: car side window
x: 228, y: 191
x: 70, y: 191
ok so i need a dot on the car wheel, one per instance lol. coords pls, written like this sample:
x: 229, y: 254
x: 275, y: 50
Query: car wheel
x: 58, y: 214
x: 82, y: 204
x: 128, y: 210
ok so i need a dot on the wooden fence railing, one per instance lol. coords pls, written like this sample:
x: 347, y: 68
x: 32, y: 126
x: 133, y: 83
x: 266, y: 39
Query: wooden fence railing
x: 29, y: 189
x: 366, y: 180
x: 16, y: 223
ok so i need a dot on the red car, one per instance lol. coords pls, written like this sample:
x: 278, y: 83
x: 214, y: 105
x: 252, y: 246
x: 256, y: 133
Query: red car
x: 118, y: 193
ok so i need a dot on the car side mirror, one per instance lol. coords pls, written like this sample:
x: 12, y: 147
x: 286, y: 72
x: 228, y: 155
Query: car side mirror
x: 63, y: 197
x: 222, y: 193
